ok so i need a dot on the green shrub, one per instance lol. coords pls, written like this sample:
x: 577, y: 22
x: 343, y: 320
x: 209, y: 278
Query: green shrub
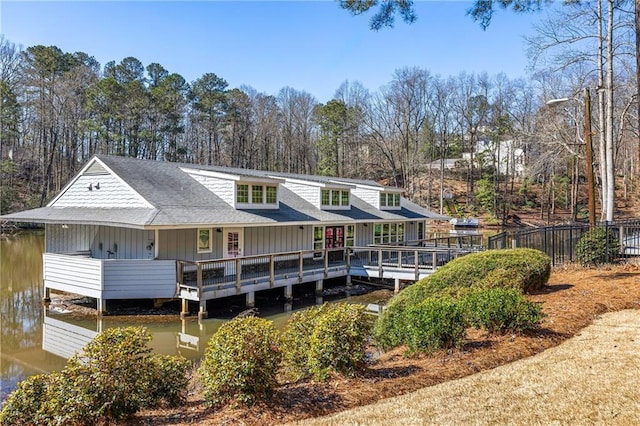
x: 24, y: 405
x: 501, y: 310
x: 241, y: 362
x: 322, y: 339
x: 525, y: 269
x: 434, y: 324
x: 114, y: 369
x: 295, y: 341
x: 597, y: 247
x: 390, y: 328
x: 114, y: 376
x: 169, y: 379
x: 338, y: 340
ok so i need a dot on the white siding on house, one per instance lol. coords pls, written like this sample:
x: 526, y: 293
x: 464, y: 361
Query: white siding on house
x: 131, y: 243
x: 277, y: 239
x: 69, y: 238
x: 181, y: 244
x: 369, y: 196
x: 310, y: 194
x: 364, y: 234
x: 112, y: 193
x: 139, y: 279
x: 81, y: 275
x: 223, y: 188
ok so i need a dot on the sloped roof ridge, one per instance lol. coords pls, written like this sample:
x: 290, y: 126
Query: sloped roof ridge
x: 247, y: 172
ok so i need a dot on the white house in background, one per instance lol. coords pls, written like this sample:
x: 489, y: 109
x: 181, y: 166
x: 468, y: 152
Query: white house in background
x: 508, y: 156
x: 125, y: 228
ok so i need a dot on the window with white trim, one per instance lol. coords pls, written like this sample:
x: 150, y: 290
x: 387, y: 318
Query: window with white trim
x: 205, y: 239
x: 272, y: 194
x: 388, y: 233
x: 350, y: 236
x: 334, y: 197
x: 389, y: 199
x: 420, y: 231
x: 318, y: 241
x: 256, y: 194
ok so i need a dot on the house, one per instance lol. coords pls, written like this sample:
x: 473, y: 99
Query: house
x: 126, y: 228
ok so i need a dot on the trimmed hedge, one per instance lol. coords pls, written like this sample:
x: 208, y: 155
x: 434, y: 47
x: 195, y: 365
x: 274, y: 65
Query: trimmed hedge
x: 434, y: 324
x: 500, y: 310
x: 521, y: 268
x: 525, y: 270
x: 241, y: 362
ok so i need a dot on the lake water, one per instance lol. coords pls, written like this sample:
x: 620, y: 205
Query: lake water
x: 37, y: 340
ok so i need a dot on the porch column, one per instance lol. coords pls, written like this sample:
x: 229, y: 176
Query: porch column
x: 251, y: 299
x: 319, y: 287
x: 288, y: 293
x: 288, y: 306
x: 156, y: 245
x: 396, y: 285
x: 202, y: 311
x: 348, y: 280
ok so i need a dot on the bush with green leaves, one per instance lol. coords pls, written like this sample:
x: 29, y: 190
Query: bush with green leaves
x: 390, y: 328
x: 169, y: 379
x: 24, y: 405
x: 295, y: 341
x: 338, y: 340
x: 115, y: 376
x: 322, y: 339
x: 241, y: 362
x: 501, y: 310
x: 522, y: 269
x: 597, y: 246
x: 434, y: 324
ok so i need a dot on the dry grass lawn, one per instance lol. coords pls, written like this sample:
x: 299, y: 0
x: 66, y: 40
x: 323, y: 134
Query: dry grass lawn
x: 593, y: 378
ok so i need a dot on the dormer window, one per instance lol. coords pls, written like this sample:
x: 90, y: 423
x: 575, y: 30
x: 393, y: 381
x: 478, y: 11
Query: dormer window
x: 389, y: 200
x: 256, y: 195
x: 334, y: 198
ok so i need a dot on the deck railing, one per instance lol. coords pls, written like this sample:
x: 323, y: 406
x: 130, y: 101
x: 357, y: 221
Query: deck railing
x: 559, y: 241
x: 306, y: 265
x: 473, y: 241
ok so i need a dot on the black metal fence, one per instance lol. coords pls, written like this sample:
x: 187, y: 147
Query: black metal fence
x: 559, y: 241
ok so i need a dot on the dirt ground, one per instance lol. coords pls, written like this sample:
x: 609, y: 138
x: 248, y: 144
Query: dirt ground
x: 573, y: 299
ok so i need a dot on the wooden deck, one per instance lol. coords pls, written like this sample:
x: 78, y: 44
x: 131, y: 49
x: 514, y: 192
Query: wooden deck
x: 204, y: 280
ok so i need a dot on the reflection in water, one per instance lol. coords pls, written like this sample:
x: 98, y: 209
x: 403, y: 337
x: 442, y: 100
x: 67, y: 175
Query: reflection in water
x: 21, y: 312
x: 38, y: 340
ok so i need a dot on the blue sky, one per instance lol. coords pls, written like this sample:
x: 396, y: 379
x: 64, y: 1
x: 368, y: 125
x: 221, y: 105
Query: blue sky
x: 308, y: 45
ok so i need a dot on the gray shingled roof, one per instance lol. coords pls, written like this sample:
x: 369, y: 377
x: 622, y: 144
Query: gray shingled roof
x: 181, y: 201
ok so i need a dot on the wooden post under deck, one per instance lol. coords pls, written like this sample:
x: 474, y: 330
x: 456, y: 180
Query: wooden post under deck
x: 251, y: 299
x: 185, y: 309
x: 288, y: 293
x: 47, y: 295
x: 202, y: 312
